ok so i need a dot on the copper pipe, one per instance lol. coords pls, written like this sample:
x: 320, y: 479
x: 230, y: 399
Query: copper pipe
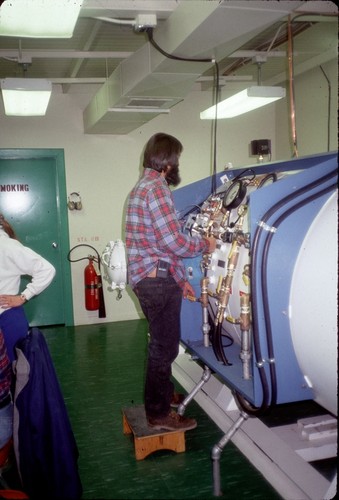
x: 245, y: 311
x: 291, y: 86
x: 226, y: 283
x: 219, y: 285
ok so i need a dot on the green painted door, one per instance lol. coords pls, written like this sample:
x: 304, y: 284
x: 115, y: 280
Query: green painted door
x: 32, y: 199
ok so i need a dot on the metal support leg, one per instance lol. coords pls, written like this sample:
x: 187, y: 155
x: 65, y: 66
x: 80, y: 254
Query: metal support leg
x: 204, y: 378
x: 218, y: 448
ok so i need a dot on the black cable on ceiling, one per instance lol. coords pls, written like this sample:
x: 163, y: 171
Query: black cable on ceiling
x: 149, y: 32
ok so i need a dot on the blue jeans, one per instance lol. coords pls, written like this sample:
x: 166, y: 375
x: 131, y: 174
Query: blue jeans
x: 6, y: 424
x: 14, y: 326
x: 160, y: 300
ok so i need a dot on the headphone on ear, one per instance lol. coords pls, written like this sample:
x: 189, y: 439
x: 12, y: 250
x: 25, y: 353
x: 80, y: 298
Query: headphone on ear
x: 74, y: 204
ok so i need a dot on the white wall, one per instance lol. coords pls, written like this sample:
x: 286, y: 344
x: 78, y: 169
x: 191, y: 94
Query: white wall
x: 311, y: 98
x: 104, y: 168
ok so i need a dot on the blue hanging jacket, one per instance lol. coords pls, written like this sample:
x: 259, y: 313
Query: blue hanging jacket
x: 45, y: 447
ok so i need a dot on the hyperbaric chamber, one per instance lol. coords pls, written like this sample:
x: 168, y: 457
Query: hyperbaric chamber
x: 267, y: 295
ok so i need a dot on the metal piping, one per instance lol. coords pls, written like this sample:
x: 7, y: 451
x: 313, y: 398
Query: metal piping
x: 206, y: 375
x: 218, y: 448
x: 245, y: 323
x: 204, y: 305
x: 227, y: 282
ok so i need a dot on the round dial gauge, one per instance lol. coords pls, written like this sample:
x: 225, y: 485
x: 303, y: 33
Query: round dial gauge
x: 268, y: 179
x: 234, y: 195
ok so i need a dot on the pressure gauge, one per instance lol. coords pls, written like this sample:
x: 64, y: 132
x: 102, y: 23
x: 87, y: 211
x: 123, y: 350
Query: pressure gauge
x: 234, y: 195
x: 267, y: 180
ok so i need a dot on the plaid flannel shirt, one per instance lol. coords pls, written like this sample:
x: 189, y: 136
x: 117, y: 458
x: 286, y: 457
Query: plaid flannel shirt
x: 153, y: 231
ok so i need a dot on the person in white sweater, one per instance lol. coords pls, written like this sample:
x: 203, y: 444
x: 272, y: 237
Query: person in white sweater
x: 16, y: 260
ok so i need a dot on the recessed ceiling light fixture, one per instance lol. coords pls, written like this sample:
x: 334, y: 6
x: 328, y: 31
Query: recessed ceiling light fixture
x: 39, y: 18
x: 25, y: 96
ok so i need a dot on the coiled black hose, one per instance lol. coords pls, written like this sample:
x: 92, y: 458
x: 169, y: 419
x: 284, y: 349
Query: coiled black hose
x: 268, y: 400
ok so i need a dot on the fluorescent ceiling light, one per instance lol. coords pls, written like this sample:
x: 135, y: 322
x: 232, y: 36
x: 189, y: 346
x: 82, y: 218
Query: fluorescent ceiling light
x: 25, y: 96
x: 244, y: 101
x: 39, y: 18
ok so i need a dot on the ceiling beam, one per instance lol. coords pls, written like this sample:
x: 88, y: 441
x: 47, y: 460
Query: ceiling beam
x: 61, y: 54
x: 79, y: 62
x: 77, y: 80
x: 202, y: 79
x: 250, y: 54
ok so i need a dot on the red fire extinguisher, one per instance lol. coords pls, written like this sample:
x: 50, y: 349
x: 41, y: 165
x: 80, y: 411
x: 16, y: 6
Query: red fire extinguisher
x: 91, y: 286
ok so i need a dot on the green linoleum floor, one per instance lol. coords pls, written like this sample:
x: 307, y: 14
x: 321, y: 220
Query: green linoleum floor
x: 101, y: 370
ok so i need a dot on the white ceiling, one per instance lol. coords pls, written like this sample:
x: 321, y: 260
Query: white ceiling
x: 231, y: 32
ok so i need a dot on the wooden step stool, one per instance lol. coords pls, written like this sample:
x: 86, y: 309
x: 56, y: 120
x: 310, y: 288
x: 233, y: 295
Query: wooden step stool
x: 146, y: 439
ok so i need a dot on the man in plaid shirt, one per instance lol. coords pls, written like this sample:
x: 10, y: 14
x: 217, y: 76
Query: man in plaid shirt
x: 155, y: 248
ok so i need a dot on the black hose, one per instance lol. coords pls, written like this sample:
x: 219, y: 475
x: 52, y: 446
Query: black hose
x: 218, y: 346
x: 149, y: 32
x: 255, y: 323
x: 216, y: 338
x: 215, y: 342
x: 224, y: 332
x: 267, y: 316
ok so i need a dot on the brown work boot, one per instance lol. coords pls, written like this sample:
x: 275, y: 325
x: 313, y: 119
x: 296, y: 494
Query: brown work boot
x: 173, y: 422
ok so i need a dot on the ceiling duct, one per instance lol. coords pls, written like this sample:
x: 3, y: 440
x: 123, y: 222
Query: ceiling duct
x: 135, y: 93
x: 149, y: 83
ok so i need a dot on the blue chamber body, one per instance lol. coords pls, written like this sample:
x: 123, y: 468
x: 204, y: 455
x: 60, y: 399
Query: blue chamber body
x: 289, y: 228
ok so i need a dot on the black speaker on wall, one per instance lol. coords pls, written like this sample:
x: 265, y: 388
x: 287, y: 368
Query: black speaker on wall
x: 261, y: 147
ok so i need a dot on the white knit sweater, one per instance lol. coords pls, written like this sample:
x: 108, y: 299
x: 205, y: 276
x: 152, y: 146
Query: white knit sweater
x: 16, y: 260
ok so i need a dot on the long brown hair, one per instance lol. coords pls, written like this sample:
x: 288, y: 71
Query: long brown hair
x: 7, y: 227
x: 162, y: 150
